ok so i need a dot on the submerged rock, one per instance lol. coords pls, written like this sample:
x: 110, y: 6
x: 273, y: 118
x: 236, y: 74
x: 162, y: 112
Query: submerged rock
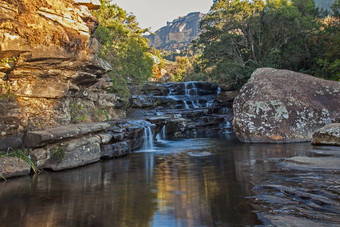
x: 328, y: 135
x: 281, y: 106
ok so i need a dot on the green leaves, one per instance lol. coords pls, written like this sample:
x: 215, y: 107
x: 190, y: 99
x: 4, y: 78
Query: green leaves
x: 123, y: 46
x: 240, y: 36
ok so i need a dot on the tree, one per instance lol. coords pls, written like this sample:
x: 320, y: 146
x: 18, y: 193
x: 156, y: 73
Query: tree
x: 123, y: 46
x: 240, y: 36
x: 327, y: 46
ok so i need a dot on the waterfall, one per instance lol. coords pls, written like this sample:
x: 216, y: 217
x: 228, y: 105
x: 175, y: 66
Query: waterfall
x: 190, y: 91
x: 227, y: 127
x: 218, y: 90
x: 162, y: 135
x: 190, y: 88
x: 186, y: 89
x: 185, y: 104
x: 148, y: 139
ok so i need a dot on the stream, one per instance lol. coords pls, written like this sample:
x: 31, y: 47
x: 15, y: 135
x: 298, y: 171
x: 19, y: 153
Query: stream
x: 183, y: 182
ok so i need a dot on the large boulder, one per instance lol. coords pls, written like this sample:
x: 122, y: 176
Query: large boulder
x: 328, y: 135
x: 281, y: 106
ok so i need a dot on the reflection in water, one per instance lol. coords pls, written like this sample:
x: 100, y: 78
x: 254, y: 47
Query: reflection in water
x: 167, y: 187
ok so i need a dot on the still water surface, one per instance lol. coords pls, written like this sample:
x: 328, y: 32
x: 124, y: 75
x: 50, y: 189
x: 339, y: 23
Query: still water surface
x: 191, y: 182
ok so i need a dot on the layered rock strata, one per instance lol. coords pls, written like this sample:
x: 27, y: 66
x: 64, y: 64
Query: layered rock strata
x: 281, y: 106
x: 178, y: 34
x: 50, y: 74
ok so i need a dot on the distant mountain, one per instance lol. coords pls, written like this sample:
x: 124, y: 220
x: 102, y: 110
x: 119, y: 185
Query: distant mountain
x: 325, y: 4
x: 178, y: 34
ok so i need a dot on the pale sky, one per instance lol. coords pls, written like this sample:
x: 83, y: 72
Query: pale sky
x: 155, y: 13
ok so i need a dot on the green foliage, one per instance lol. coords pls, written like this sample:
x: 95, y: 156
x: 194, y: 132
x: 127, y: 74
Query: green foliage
x: 6, y: 92
x: 326, y: 47
x: 182, y: 67
x: 58, y: 154
x: 77, y: 112
x: 123, y: 46
x: 101, y: 111
x: 240, y: 36
x: 9, y: 60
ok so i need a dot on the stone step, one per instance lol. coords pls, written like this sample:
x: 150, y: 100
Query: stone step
x: 36, y: 139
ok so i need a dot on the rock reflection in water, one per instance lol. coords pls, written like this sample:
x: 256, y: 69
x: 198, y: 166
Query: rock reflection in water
x: 143, y: 189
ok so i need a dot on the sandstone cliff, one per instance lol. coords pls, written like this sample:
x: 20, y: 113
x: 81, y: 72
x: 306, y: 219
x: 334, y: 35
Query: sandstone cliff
x: 178, y: 34
x: 49, y: 72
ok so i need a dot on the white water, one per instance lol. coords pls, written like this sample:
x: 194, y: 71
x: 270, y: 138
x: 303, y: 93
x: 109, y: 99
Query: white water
x: 192, y: 90
x: 218, y: 90
x: 228, y: 128
x: 161, y: 137
x: 148, y: 139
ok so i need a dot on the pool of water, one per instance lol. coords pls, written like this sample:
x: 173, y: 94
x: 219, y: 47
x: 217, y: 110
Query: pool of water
x: 189, y: 182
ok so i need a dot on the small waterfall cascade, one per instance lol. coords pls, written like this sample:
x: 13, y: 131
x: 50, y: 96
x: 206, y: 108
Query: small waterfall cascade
x: 226, y: 127
x: 218, y: 90
x: 190, y: 93
x: 190, y: 88
x: 148, y: 139
x: 162, y: 135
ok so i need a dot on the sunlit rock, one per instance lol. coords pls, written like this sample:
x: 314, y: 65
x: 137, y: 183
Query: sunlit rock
x: 49, y: 69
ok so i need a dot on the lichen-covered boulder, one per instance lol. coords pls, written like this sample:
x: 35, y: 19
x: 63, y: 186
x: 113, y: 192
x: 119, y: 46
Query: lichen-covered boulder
x: 281, y: 106
x: 328, y: 135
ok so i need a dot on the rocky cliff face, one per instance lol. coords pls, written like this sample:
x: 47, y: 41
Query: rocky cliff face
x: 49, y: 72
x: 178, y: 34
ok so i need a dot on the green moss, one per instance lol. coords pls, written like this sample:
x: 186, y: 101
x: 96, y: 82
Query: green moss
x: 77, y: 112
x: 58, y: 154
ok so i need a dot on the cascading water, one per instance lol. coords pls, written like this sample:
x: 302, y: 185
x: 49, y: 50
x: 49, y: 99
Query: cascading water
x: 162, y: 135
x: 226, y: 127
x: 148, y: 139
x: 191, y: 91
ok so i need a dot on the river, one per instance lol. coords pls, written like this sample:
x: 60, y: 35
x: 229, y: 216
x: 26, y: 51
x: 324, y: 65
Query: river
x: 187, y: 182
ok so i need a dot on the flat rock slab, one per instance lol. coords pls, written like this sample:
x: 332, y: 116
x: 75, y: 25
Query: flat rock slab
x: 328, y: 135
x: 36, y: 139
x: 13, y: 167
x: 281, y: 106
x: 70, y: 154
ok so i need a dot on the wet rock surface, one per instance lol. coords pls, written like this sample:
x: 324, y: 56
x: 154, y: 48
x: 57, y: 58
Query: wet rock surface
x: 79, y: 145
x: 295, y: 188
x: 328, y: 135
x: 280, y: 106
x: 187, y: 109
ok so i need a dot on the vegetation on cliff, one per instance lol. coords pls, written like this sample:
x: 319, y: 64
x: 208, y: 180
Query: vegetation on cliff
x: 240, y: 36
x: 123, y: 46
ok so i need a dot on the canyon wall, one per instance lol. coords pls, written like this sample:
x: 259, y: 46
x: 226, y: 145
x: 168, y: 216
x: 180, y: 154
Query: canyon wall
x: 178, y: 34
x: 50, y: 74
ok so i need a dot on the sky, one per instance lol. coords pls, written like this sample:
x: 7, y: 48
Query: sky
x: 155, y: 13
